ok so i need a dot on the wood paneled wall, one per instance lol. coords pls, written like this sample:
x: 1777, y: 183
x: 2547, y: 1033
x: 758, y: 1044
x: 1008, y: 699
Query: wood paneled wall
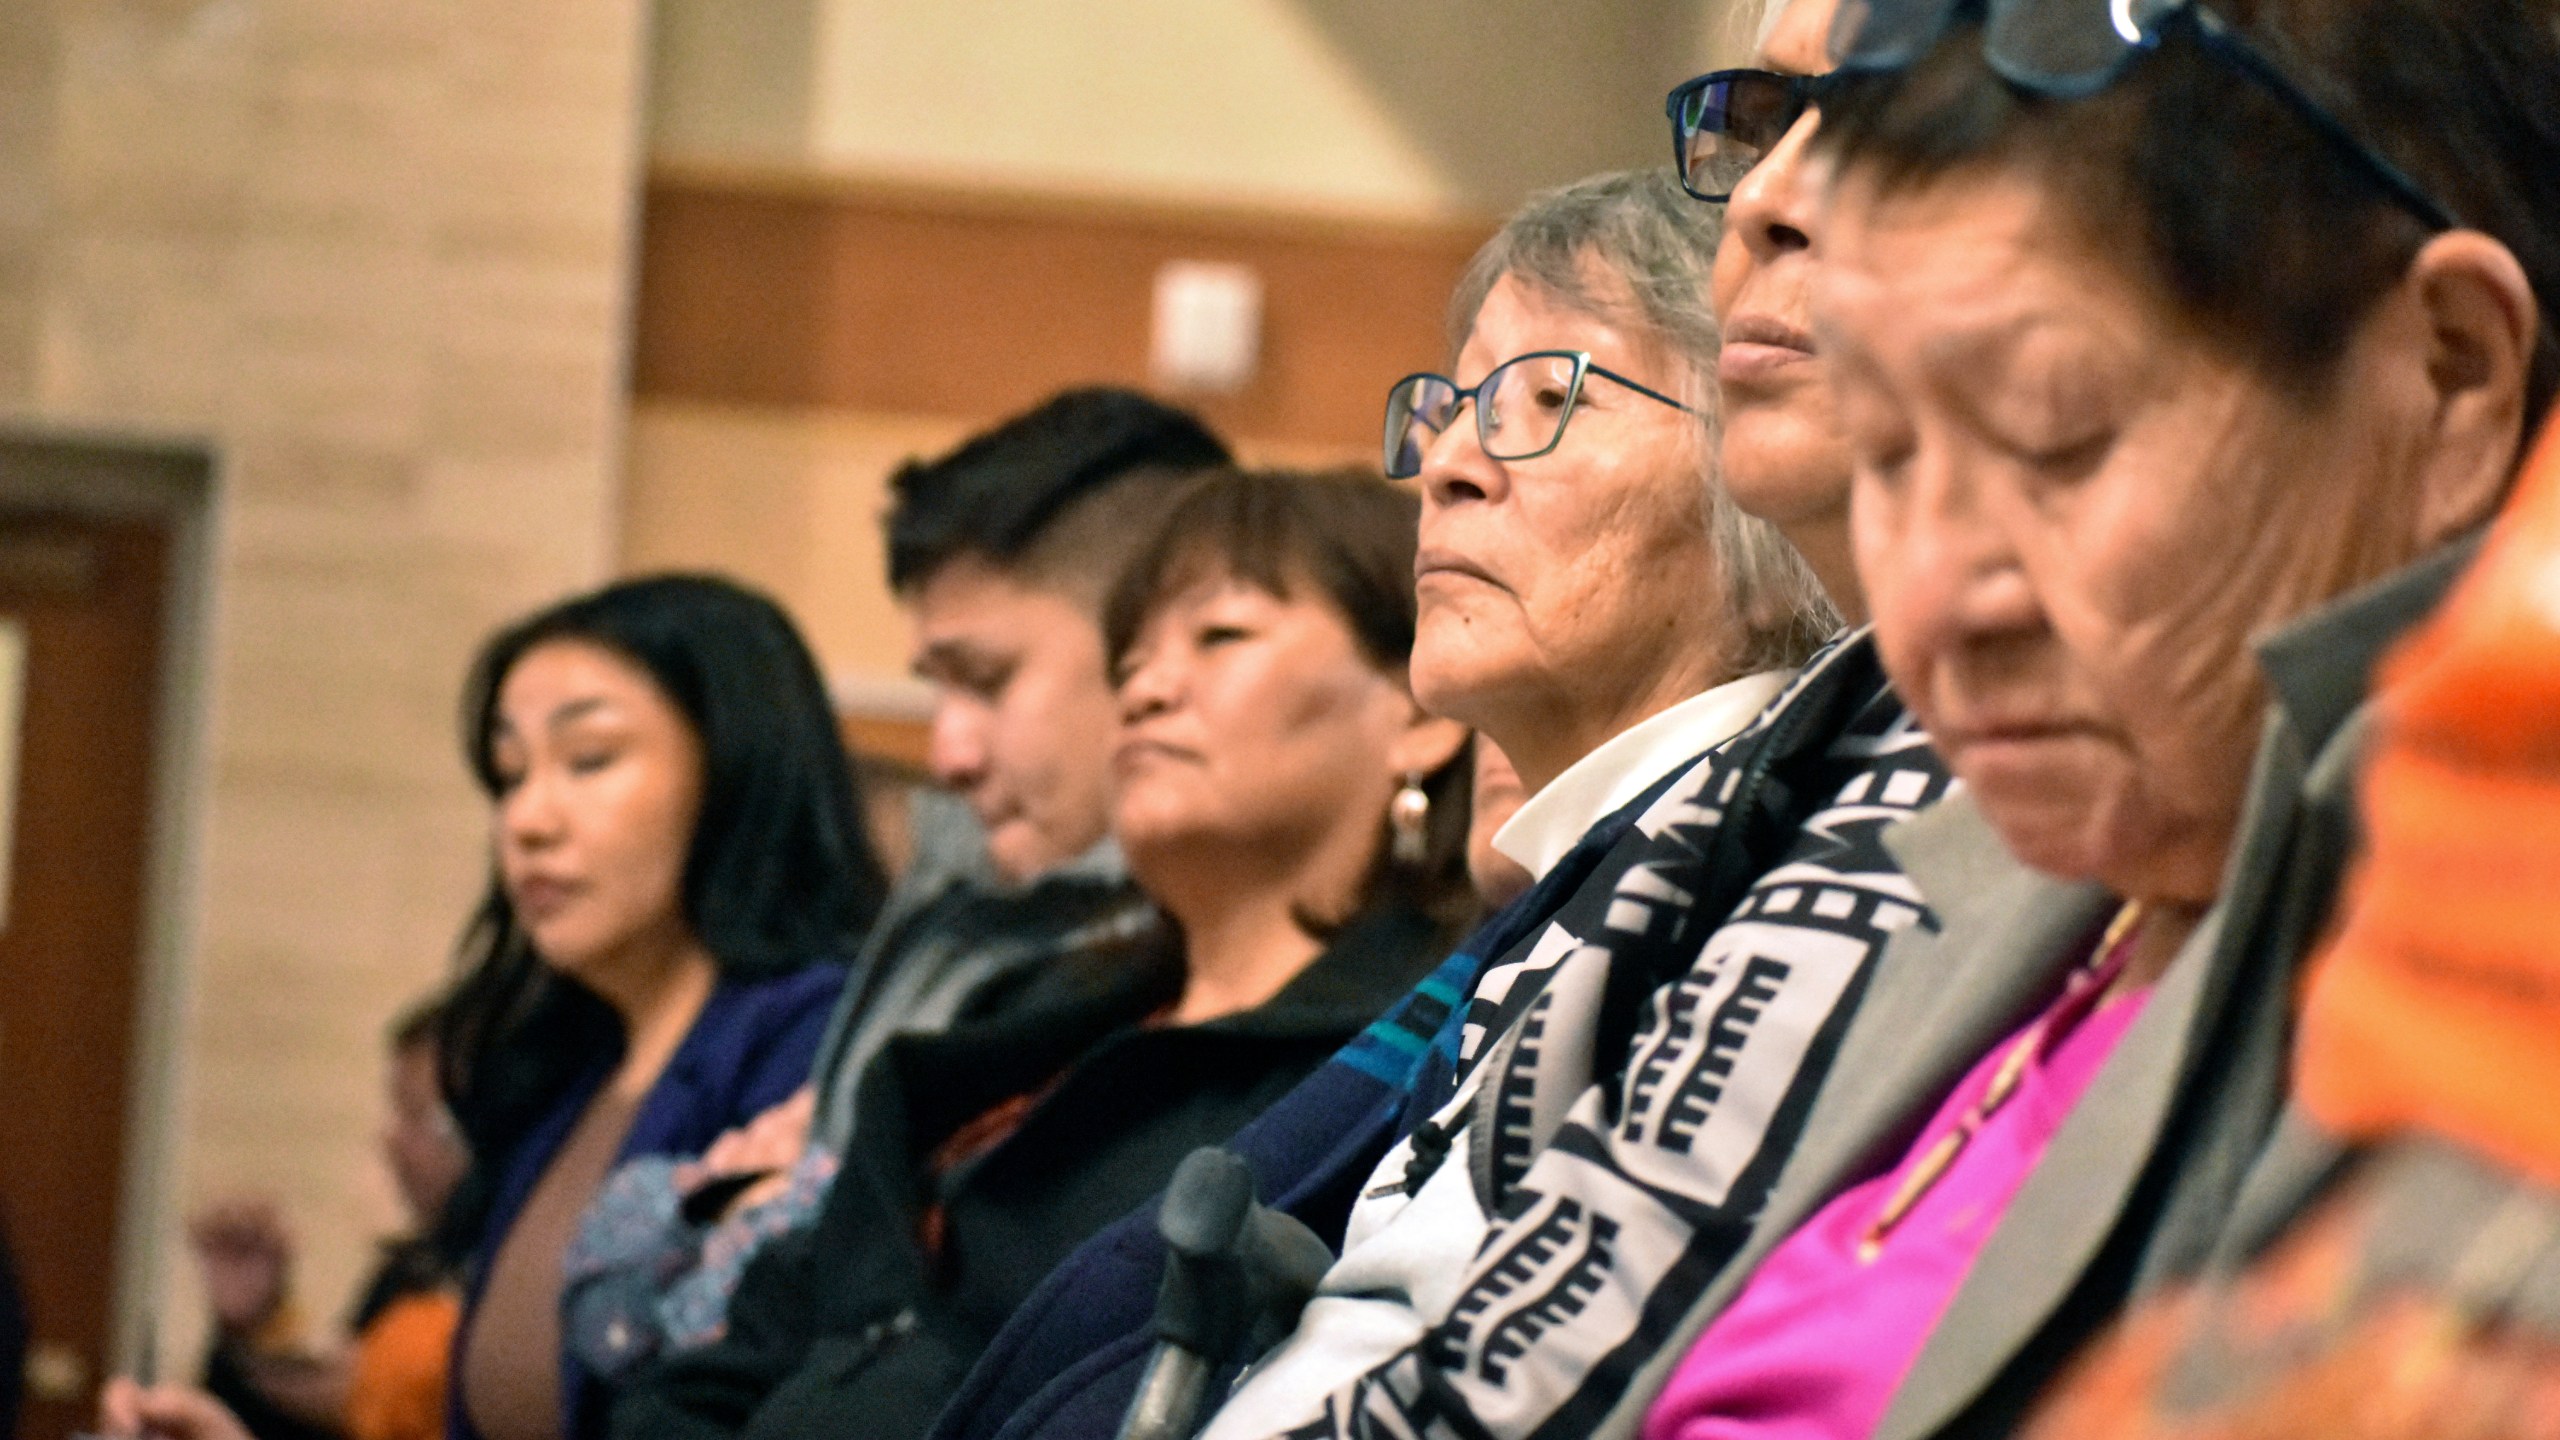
x: 777, y: 289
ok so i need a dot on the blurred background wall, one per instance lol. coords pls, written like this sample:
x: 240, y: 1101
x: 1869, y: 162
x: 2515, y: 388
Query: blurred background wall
x: 375, y: 253
x: 474, y: 301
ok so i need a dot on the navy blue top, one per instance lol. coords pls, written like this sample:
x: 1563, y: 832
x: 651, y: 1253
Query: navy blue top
x: 751, y: 1046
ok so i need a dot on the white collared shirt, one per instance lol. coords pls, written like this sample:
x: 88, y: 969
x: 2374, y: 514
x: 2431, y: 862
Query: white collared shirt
x: 1548, y: 823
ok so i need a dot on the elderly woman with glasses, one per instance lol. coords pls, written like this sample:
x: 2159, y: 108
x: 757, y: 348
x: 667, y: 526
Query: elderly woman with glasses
x: 1630, y: 1078
x: 2178, y: 350
x: 1567, y: 474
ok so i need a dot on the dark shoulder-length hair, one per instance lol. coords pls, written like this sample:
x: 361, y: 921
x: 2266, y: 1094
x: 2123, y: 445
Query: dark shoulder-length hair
x: 780, y: 873
x: 1348, y: 536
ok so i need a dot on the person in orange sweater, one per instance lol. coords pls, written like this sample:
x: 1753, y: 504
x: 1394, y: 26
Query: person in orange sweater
x: 387, y: 1382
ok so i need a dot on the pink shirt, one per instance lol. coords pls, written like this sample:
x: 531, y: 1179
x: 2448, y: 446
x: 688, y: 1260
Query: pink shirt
x: 1815, y: 1345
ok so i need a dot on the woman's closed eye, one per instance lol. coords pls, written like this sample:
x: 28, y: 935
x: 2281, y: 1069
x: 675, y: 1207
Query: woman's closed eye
x: 2058, y: 461
x: 1883, y: 466
x: 2051, y: 406
x: 507, y: 763
x: 2052, y: 444
x: 1880, y: 435
x: 590, y: 761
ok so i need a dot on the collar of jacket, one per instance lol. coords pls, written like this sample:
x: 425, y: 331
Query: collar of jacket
x: 1096, y: 879
x: 1101, y: 994
x: 1367, y: 966
x: 956, y: 908
x: 2322, y: 665
x: 1093, y: 1004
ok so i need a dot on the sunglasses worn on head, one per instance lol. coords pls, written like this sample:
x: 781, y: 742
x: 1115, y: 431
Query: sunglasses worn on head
x: 1724, y: 123
x: 2072, y: 49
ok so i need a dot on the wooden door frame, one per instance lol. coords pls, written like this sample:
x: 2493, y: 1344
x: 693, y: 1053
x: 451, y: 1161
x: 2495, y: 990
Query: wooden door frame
x: 114, y: 473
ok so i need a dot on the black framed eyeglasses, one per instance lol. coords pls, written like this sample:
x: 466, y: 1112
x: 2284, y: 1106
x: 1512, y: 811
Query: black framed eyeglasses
x: 1724, y: 122
x: 1522, y: 405
x: 2073, y: 49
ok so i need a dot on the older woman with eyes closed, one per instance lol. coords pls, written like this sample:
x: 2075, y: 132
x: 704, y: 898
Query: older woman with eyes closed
x: 2092, y: 474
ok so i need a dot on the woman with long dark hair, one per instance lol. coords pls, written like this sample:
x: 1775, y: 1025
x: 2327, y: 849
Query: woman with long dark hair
x: 680, y: 871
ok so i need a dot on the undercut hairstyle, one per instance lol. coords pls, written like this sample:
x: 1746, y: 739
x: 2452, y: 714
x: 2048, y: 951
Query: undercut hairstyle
x: 1347, y: 538
x: 779, y: 874
x: 1092, y: 538
x: 1635, y: 235
x: 1039, y: 497
x: 2259, y: 234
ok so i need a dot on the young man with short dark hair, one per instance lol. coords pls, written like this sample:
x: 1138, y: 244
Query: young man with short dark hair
x: 1000, y: 551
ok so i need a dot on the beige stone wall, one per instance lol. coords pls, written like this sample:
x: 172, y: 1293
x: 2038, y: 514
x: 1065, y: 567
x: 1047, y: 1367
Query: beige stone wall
x: 790, y: 501
x: 1416, y: 107
x: 377, y: 251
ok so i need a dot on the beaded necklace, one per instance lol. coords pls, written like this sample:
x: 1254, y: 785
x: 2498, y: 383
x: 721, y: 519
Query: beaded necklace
x: 2079, y: 996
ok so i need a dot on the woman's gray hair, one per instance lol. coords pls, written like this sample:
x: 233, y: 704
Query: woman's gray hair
x: 1641, y: 228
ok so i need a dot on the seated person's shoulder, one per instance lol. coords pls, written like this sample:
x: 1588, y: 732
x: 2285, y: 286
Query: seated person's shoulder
x: 2418, y: 1296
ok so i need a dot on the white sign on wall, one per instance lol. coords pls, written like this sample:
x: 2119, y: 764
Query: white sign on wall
x: 13, y: 692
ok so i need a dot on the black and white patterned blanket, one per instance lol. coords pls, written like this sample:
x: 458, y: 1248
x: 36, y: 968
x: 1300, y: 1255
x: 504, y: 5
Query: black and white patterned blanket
x: 1631, y: 1080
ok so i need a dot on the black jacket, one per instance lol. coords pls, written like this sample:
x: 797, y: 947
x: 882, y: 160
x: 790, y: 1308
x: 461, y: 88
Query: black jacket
x: 849, y: 1328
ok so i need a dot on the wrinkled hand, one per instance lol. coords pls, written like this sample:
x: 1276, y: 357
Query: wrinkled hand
x: 166, y: 1412
x: 247, y: 1257
x: 771, y: 1141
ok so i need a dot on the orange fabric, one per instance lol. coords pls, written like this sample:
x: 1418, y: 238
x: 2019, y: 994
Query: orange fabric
x: 283, y: 1332
x: 396, y: 1386
x: 2437, y: 1008
x: 2290, y: 1350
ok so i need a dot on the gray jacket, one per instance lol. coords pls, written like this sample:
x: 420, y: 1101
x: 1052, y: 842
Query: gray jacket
x: 950, y: 929
x: 2138, y: 1184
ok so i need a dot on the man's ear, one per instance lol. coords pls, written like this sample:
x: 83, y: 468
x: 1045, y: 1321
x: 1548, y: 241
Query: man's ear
x: 2481, y: 323
x: 1428, y: 743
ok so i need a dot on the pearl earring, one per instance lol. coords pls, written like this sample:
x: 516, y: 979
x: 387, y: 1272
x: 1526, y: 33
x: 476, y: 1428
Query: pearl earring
x: 1409, y: 816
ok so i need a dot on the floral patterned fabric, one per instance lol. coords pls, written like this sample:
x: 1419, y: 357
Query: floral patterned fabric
x: 643, y: 1280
